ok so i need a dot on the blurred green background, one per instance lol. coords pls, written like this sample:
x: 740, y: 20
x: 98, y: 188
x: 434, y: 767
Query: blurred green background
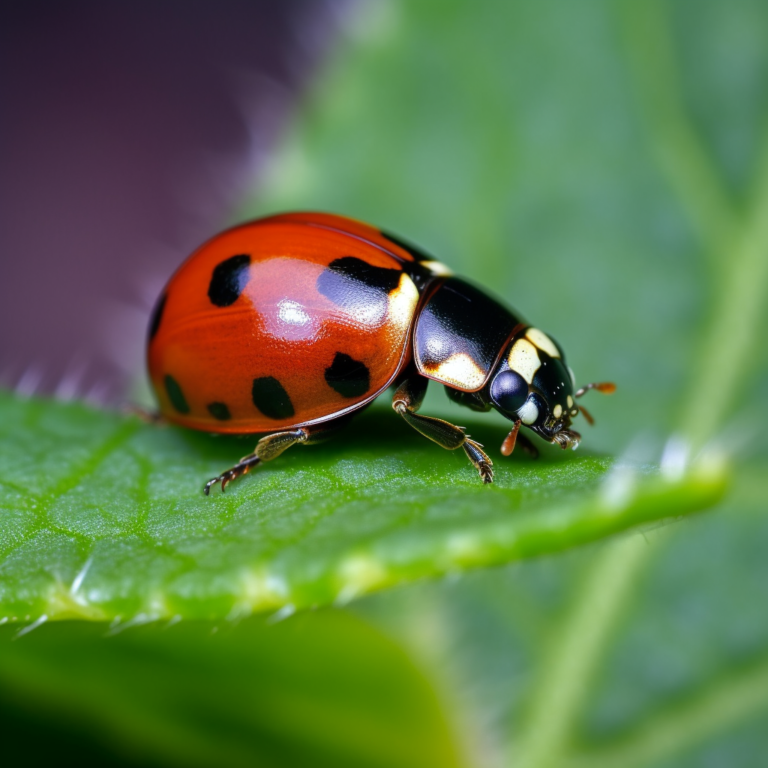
x: 604, y: 167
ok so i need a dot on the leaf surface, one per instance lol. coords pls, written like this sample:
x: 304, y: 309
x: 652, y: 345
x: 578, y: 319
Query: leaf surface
x: 104, y: 515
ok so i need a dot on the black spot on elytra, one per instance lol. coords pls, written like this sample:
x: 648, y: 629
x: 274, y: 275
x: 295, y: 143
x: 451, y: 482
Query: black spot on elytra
x: 350, y: 378
x: 228, y: 280
x: 157, y: 316
x: 175, y: 395
x: 271, y: 399
x: 219, y: 411
x: 358, y: 287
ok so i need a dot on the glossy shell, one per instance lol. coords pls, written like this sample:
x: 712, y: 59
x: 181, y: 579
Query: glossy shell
x: 461, y: 332
x: 286, y: 321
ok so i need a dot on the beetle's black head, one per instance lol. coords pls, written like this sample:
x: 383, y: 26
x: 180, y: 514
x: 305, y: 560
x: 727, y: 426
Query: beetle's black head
x: 532, y: 384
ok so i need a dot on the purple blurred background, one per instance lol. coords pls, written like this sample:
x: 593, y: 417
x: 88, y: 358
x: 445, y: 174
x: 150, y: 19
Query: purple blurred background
x: 128, y: 133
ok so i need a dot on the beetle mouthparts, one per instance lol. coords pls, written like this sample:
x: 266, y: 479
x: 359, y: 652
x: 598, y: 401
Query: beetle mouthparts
x: 567, y: 438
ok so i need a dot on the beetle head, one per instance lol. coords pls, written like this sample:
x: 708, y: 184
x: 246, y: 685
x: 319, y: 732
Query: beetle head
x: 533, y: 386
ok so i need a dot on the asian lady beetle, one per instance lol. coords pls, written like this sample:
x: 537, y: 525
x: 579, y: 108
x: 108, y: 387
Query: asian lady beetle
x: 290, y: 324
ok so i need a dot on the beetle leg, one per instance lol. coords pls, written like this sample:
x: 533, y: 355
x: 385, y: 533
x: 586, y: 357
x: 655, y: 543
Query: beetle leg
x: 241, y: 468
x: 510, y: 440
x: 515, y: 438
x: 408, y: 399
x: 271, y: 446
x: 147, y: 416
x: 268, y: 448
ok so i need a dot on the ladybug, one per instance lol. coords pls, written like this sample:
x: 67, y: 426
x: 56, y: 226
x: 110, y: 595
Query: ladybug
x: 289, y: 325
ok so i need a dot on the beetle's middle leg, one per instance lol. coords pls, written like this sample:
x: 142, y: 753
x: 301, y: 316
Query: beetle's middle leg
x: 408, y: 399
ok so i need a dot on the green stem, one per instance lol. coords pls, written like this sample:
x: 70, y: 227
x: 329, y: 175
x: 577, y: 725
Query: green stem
x: 570, y: 662
x: 734, y: 332
x: 737, y: 247
x: 681, y: 154
x: 740, y: 696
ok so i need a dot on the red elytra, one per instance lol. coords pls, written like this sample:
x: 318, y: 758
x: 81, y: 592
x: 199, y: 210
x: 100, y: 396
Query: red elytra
x: 280, y: 327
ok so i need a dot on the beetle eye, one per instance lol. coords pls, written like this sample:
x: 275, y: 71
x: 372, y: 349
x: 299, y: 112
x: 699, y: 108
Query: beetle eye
x: 509, y: 391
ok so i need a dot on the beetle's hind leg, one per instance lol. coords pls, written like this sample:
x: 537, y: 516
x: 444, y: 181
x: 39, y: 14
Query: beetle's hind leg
x: 408, y: 399
x: 146, y: 415
x: 271, y: 446
x: 268, y: 448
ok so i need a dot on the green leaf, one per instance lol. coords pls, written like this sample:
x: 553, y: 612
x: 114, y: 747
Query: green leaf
x: 105, y: 518
x: 321, y: 689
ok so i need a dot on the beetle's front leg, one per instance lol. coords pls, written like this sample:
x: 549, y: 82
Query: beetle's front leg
x: 408, y: 399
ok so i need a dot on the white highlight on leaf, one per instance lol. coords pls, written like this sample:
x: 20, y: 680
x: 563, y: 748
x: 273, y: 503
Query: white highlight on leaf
x: 675, y: 458
x: 359, y: 573
x: 34, y: 625
x: 67, y: 601
x: 138, y: 620
x: 618, y: 487
x: 259, y: 590
x: 283, y: 613
x: 463, y: 548
x: 78, y: 580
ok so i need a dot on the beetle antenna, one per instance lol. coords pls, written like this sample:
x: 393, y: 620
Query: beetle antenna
x: 587, y: 416
x: 606, y: 387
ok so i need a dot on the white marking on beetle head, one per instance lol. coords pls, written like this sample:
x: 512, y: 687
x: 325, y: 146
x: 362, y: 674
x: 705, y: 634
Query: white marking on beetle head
x: 557, y: 411
x: 543, y: 342
x: 528, y: 413
x: 524, y: 359
x: 569, y: 400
